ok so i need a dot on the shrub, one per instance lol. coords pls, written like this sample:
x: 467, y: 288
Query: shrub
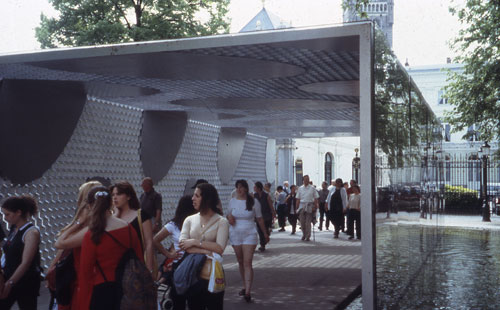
x: 462, y: 200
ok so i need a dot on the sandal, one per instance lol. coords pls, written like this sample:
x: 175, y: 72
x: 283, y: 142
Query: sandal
x: 242, y: 292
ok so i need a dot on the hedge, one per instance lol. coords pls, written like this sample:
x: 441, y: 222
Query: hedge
x: 461, y: 200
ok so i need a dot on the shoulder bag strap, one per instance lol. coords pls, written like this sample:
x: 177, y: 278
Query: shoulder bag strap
x: 100, y: 269
x: 139, y: 219
x: 204, y: 230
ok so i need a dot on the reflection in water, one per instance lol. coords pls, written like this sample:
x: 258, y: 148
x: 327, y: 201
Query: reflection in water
x: 437, y: 268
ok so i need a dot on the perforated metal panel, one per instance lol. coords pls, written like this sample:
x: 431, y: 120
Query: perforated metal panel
x: 106, y: 143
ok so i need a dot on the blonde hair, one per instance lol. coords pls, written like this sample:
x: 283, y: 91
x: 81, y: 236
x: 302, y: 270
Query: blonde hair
x: 83, y: 192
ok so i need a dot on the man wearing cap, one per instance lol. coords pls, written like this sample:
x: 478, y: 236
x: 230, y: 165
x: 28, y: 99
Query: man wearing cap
x: 151, y: 203
x: 307, y: 200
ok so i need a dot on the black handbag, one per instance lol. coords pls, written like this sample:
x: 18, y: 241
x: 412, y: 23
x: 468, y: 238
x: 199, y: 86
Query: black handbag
x: 65, y: 275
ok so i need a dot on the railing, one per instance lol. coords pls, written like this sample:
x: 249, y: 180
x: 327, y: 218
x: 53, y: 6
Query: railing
x: 451, y: 186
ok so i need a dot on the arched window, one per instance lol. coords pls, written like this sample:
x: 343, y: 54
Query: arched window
x: 328, y: 167
x: 385, y: 7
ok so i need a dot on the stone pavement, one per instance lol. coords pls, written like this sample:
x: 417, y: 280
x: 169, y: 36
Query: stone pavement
x: 292, y: 274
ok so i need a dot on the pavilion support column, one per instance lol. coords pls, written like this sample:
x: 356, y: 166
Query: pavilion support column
x: 367, y: 141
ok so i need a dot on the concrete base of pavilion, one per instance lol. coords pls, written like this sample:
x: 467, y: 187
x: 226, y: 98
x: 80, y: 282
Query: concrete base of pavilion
x: 324, y: 273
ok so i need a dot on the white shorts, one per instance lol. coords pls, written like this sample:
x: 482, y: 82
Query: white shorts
x: 243, y: 235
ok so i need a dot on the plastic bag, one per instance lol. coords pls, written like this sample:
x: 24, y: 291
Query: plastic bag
x: 217, y: 282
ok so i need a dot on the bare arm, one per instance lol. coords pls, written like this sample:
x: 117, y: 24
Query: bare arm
x: 31, y: 242
x: 157, y: 223
x: 263, y: 228
x: 230, y: 218
x: 147, y: 228
x: 270, y: 203
x: 71, y: 238
x: 158, y: 238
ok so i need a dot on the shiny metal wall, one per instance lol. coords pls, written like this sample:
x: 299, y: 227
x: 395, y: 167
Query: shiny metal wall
x: 106, y: 143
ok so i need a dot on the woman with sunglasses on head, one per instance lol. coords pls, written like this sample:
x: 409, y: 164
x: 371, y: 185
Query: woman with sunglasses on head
x: 127, y: 208
x: 244, y: 210
x: 103, y: 246
x: 205, y: 232
x: 21, y: 260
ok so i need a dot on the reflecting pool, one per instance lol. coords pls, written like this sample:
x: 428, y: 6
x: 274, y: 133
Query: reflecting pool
x: 430, y: 267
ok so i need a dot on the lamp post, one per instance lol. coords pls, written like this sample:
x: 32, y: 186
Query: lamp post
x: 485, y: 152
x: 440, y: 178
x: 356, y: 165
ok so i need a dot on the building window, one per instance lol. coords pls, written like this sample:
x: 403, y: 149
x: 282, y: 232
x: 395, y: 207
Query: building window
x: 328, y: 167
x: 441, y: 99
x: 385, y: 7
x: 472, y: 133
x: 447, y: 132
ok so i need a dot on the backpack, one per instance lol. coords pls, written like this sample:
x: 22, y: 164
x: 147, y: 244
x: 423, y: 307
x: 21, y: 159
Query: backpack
x: 65, y: 275
x: 136, y: 289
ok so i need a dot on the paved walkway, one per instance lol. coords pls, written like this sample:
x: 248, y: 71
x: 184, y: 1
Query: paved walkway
x: 292, y: 274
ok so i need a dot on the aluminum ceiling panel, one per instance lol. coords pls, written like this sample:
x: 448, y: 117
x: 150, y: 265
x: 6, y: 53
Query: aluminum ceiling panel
x: 246, y: 80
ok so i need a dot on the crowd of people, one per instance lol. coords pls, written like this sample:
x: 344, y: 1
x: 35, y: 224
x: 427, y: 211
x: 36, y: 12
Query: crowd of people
x: 111, y: 221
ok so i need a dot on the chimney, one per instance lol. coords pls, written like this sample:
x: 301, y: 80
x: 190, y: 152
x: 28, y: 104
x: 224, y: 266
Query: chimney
x: 448, y: 60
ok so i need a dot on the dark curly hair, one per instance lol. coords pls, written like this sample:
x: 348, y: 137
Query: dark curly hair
x: 209, y: 198
x: 25, y: 203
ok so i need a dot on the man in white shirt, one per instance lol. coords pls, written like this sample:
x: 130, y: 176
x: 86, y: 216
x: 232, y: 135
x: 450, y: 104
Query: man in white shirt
x: 307, y: 200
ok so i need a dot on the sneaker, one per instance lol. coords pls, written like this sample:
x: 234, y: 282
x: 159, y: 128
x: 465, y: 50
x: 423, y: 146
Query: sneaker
x: 282, y: 229
x: 350, y: 237
x: 262, y: 249
x: 335, y: 236
x: 292, y: 233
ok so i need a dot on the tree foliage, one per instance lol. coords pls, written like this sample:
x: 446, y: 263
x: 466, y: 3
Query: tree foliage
x: 94, y: 22
x: 357, y: 6
x: 475, y: 92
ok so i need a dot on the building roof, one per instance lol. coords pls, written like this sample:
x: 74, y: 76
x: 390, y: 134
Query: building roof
x: 265, y: 20
x: 282, y: 83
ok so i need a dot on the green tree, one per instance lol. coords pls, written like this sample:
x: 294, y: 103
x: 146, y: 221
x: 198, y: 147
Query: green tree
x: 475, y: 92
x: 94, y: 22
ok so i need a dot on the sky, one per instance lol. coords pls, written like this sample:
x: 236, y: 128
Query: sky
x: 421, y: 28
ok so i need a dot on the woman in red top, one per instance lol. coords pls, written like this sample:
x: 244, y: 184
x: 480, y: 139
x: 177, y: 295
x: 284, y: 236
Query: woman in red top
x: 71, y: 237
x: 99, y: 248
